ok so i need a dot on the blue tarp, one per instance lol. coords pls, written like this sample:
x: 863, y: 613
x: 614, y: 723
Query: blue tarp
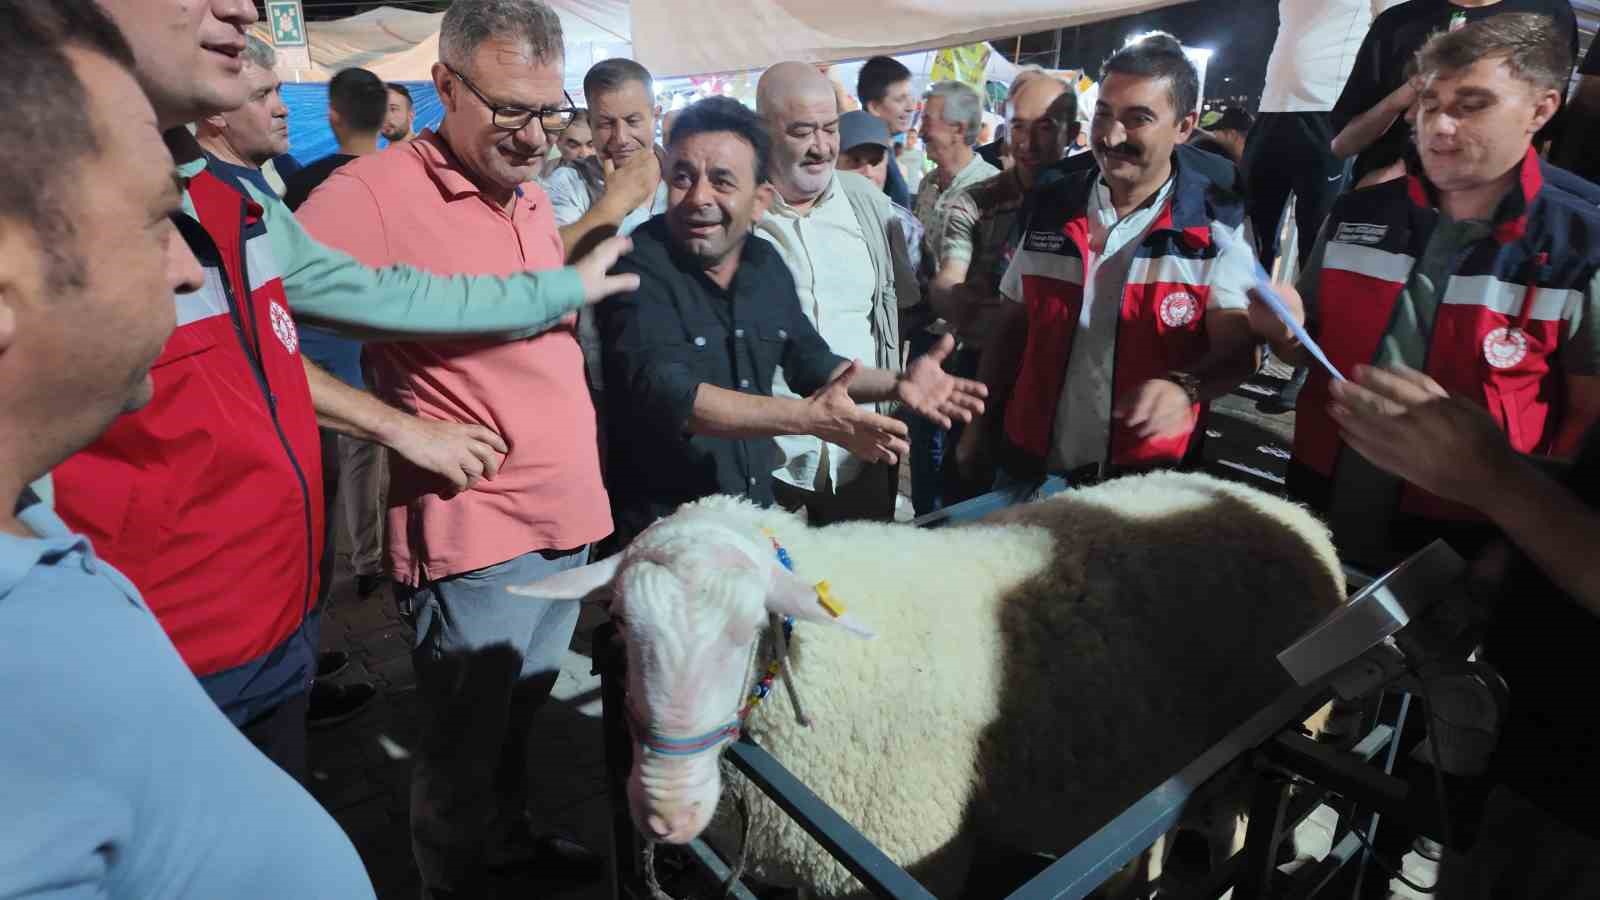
x: 310, y: 138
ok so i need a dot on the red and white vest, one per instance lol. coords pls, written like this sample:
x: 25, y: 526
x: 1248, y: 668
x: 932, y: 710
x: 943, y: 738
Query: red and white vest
x: 210, y: 498
x: 1164, y: 303
x: 1500, y: 321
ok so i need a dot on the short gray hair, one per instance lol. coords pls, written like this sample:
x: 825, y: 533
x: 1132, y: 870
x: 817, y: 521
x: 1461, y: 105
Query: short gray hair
x: 258, y: 52
x: 962, y: 106
x: 468, y: 23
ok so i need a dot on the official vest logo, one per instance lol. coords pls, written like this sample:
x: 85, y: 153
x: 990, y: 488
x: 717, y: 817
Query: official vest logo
x: 1179, y: 309
x: 1359, y: 233
x: 1505, y: 347
x: 283, y: 327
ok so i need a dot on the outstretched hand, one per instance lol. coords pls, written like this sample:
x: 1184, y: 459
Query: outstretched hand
x: 1406, y: 424
x: 929, y: 391
x: 593, y: 269
x: 837, y: 419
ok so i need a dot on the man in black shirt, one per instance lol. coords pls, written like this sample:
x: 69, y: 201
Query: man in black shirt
x: 1577, y: 149
x: 691, y: 354
x: 1539, y: 836
x: 357, y: 103
x: 1369, y: 118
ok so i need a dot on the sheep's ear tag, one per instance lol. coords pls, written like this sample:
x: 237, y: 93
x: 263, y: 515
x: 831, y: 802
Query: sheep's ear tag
x: 791, y: 595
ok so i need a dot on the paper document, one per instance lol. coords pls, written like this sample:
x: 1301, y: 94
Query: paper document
x: 1275, y: 303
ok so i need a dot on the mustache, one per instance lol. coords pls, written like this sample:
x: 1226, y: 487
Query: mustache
x: 1130, y: 151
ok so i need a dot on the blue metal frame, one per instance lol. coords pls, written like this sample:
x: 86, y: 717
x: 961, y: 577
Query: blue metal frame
x: 1071, y: 877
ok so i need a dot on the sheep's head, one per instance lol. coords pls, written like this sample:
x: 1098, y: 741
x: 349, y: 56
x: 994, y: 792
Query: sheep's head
x: 690, y: 596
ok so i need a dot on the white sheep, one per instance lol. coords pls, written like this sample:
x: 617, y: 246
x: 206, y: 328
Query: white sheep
x: 1033, y: 675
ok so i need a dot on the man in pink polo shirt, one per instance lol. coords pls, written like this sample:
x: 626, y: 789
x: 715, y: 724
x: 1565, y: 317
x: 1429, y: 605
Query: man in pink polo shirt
x: 462, y: 200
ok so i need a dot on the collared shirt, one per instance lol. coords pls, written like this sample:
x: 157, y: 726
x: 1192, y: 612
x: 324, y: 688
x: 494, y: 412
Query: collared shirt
x: 547, y: 493
x: 681, y: 330
x: 1082, y: 432
x: 934, y: 203
x: 569, y: 198
x: 978, y: 226
x: 826, y: 253
x: 121, y: 777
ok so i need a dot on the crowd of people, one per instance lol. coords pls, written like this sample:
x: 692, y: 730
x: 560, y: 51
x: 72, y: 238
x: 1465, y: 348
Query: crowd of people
x: 499, y: 347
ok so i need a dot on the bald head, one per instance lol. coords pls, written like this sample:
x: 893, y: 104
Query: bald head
x: 802, y: 113
x: 786, y: 82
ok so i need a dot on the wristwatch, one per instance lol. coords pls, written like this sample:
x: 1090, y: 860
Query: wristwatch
x: 1189, y: 383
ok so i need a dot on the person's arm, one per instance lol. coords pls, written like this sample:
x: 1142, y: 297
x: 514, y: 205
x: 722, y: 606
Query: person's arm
x: 670, y: 399
x: 947, y: 292
x: 1406, y: 424
x: 463, y: 454
x: 1302, y: 302
x: 924, y: 387
x: 1365, y: 129
x: 1161, y: 407
x: 331, y: 289
x: 627, y: 189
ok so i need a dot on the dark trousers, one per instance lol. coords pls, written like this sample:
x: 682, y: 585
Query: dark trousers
x: 280, y: 735
x: 1289, y: 152
x: 930, y: 444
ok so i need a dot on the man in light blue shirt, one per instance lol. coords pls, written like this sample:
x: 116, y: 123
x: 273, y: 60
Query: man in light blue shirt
x: 119, y: 776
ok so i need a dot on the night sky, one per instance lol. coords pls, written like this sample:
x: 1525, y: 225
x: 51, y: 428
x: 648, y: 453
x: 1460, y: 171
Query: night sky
x: 1240, y: 32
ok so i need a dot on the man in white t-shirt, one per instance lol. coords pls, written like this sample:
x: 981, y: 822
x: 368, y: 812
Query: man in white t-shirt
x: 1289, y: 147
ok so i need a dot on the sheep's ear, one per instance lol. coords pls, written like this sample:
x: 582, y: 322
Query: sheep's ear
x: 581, y: 583
x: 792, y: 596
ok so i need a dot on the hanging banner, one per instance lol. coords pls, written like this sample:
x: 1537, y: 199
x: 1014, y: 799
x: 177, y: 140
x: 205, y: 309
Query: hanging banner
x: 964, y: 64
x: 286, y: 22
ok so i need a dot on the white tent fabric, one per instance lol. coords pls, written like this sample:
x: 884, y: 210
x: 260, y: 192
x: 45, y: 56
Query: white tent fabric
x: 686, y: 37
x: 682, y: 37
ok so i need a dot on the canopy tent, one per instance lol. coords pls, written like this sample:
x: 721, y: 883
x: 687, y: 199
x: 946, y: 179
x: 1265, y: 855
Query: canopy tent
x: 676, y: 38
x: 680, y: 37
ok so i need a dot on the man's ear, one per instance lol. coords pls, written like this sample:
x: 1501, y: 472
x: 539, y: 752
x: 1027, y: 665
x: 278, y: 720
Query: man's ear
x: 442, y: 86
x: 766, y: 195
x: 1186, y: 126
x: 335, y: 121
x: 1544, y: 110
x: 217, y: 122
x: 19, y: 273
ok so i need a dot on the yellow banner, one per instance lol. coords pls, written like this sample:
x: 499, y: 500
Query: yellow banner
x: 964, y: 64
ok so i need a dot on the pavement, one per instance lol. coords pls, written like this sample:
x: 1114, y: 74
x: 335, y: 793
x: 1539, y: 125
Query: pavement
x: 360, y: 770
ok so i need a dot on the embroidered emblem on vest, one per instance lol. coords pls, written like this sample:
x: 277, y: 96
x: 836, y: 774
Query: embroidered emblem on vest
x: 1505, y: 347
x: 1359, y: 233
x: 1045, y: 241
x: 283, y: 327
x: 1178, y: 309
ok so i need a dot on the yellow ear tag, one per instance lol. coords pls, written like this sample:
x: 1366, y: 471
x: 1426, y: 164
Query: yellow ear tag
x: 828, y: 601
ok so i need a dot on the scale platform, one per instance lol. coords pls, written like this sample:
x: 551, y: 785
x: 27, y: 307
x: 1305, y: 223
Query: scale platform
x: 1376, y: 613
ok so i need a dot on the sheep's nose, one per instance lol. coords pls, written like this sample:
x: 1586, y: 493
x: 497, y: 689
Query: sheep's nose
x: 659, y: 826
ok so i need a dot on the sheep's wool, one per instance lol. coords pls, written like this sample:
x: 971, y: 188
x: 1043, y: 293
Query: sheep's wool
x: 1033, y: 674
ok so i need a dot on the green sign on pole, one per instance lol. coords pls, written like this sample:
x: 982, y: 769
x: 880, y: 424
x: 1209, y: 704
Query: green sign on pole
x: 286, y: 22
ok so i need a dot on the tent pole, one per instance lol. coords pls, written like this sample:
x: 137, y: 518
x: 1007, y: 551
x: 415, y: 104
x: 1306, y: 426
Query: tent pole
x: 1058, y: 50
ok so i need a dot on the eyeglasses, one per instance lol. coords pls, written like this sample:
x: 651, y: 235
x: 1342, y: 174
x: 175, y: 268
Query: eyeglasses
x: 515, y: 118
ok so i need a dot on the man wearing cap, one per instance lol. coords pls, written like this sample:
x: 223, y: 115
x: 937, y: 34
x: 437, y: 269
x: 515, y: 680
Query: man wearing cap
x: 1223, y: 132
x: 864, y: 148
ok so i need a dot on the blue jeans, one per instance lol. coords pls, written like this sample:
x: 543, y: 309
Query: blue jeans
x: 485, y: 660
x: 929, y: 442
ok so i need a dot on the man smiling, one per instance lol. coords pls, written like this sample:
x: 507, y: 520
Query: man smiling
x: 462, y: 200
x: 1479, y: 270
x: 1129, y: 288
x: 696, y: 351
